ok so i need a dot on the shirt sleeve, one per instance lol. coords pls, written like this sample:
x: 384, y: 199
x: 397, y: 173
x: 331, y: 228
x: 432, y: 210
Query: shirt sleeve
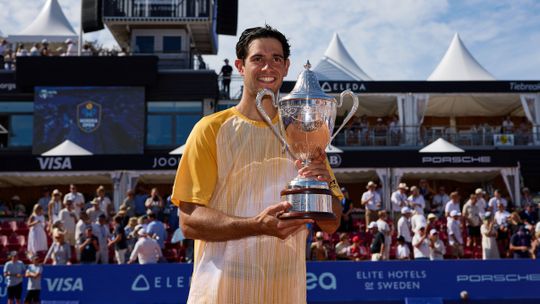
x: 334, y: 186
x: 197, y: 173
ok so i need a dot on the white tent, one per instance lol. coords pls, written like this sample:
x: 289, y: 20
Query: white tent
x: 441, y: 146
x: 459, y: 64
x: 50, y: 24
x: 178, y: 151
x: 67, y: 148
x: 337, y: 64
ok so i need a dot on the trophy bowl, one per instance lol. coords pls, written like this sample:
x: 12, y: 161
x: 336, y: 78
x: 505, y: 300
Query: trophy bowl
x: 306, y: 121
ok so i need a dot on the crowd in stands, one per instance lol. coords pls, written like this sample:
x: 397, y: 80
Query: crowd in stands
x: 68, y: 229
x: 422, y: 223
x: 10, y: 52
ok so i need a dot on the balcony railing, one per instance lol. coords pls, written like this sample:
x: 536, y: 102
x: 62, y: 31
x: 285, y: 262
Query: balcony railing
x: 157, y: 8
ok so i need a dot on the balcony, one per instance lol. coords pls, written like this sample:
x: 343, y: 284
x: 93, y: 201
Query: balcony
x: 157, y: 10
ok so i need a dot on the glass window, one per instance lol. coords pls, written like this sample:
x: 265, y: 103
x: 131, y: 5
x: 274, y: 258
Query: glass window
x: 172, y: 44
x: 144, y: 44
x: 16, y: 107
x: 174, y: 107
x: 159, y: 130
x: 169, y: 123
x: 21, y: 130
x: 184, y: 125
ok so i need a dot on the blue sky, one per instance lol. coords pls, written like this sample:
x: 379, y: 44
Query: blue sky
x: 389, y: 39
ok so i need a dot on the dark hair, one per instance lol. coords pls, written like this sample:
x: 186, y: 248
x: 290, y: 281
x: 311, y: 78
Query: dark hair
x: 253, y: 33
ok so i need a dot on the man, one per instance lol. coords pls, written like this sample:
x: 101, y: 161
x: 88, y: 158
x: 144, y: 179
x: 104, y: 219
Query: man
x: 496, y: 200
x: 71, y: 48
x: 69, y: 220
x: 421, y: 244
x: 44, y: 199
x: 154, y: 203
x: 384, y: 228
x: 439, y: 201
x: 425, y: 190
x: 526, y: 197
x: 33, y: 273
x: 13, y: 274
x: 399, y: 200
x: 452, y: 204
x: 416, y: 201
x: 146, y: 250
x: 455, y: 238
x: 76, y: 197
x: 480, y: 201
x: 318, y: 250
x: 88, y: 247
x: 473, y: 221
x: 95, y: 211
x: 235, y: 226
x: 437, y: 250
x: 357, y: 252
x: 371, y: 200
x: 156, y: 230
x: 101, y: 231
x: 119, y: 242
x: 226, y: 73
x: 520, y: 244
x: 104, y: 202
x: 404, y: 229
x: 377, y: 244
x: 403, y: 251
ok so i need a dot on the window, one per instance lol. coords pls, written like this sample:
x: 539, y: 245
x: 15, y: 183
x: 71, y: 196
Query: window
x: 169, y: 123
x: 172, y: 44
x: 144, y: 44
x: 16, y: 124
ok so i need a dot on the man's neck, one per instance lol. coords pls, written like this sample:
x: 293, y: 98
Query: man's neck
x: 248, y: 108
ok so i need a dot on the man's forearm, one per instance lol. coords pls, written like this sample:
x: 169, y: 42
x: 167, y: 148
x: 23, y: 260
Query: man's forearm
x: 330, y: 226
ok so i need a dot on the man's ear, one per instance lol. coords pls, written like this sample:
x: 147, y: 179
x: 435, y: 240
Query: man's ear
x: 239, y: 64
x: 287, y: 64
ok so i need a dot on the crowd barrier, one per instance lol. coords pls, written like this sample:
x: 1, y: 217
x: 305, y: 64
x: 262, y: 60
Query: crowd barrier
x: 327, y: 282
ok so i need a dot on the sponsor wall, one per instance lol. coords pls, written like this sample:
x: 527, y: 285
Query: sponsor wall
x: 343, y: 282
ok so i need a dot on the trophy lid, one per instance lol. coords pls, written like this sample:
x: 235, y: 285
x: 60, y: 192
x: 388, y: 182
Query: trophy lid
x: 307, y: 86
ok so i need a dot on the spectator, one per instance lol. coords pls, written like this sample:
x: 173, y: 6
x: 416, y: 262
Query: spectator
x: 346, y: 210
x: 105, y: 203
x: 403, y: 251
x: 372, y: 202
x: 33, y: 273
x: 9, y: 60
x: 453, y: 204
x: 395, y: 131
x: 44, y: 50
x: 377, y: 244
x: 45, y: 199
x: 438, y: 203
x: 342, y: 247
x: 437, y: 250
x: 71, y: 48
x: 421, y: 244
x: 34, y: 51
x: 88, y: 246
x: 431, y: 219
x: 101, y: 231
x: 86, y: 50
x: 69, y: 220
x: 146, y: 250
x: 60, y: 251
x: 507, y: 126
x: 131, y: 237
x: 318, y: 250
x: 480, y: 201
x: 54, y: 207
x: 495, y: 200
x: 21, y: 51
x: 77, y: 198
x: 129, y: 203
x: 455, y: 238
x: 119, y: 241
x: 356, y: 252
x: 154, y: 203
x: 19, y: 210
x: 379, y: 132
x: 501, y: 220
x: 526, y: 197
x: 226, y: 73
x: 5, y: 209
x: 418, y: 219
x: 490, y: 249
x: 417, y: 201
x: 425, y: 190
x: 83, y: 223
x: 471, y: 213
x: 3, y: 49
x: 520, y: 244
x: 140, y: 199
x: 95, y: 211
x: 529, y: 215
x: 384, y: 228
x: 13, y: 274
x: 156, y: 230
x: 404, y: 228
x: 535, y: 247
x: 37, y: 238
x: 399, y: 200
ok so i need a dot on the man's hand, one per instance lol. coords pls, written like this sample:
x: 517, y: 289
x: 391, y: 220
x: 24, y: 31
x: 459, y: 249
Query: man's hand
x: 270, y: 224
x: 317, y: 169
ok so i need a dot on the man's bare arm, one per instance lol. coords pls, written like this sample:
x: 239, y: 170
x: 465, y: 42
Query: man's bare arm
x: 330, y: 226
x: 208, y: 224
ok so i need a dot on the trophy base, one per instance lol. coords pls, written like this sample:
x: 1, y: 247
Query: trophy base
x: 317, y: 216
x: 308, y: 203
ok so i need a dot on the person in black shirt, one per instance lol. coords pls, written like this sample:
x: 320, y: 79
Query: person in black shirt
x: 377, y: 244
x: 120, y: 241
x: 226, y: 72
x: 89, y: 247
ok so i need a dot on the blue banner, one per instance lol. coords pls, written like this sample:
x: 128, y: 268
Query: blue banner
x: 343, y: 282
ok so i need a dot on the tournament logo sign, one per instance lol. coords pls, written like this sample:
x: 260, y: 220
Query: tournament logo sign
x: 88, y: 116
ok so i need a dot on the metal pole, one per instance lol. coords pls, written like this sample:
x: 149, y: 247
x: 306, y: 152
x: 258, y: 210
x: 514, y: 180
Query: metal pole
x: 79, y: 47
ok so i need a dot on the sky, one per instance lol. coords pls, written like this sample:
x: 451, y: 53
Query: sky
x: 389, y: 39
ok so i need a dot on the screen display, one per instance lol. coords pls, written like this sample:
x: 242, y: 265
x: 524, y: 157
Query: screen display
x: 102, y: 120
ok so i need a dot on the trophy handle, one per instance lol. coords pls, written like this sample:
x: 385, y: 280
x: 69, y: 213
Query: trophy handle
x: 258, y: 104
x: 351, y: 113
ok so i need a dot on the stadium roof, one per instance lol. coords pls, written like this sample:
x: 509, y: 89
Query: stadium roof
x: 459, y: 64
x: 50, y: 24
x: 337, y: 64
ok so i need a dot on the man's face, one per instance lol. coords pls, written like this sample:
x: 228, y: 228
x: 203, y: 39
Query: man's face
x: 264, y: 65
x: 73, y: 189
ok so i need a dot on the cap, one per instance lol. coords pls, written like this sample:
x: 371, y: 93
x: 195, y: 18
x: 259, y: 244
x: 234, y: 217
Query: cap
x: 56, y: 192
x: 414, y: 188
x: 479, y: 191
x: 431, y: 215
x: 433, y: 232
x: 68, y: 41
x: 141, y: 232
x: 406, y: 210
x: 12, y: 254
x: 525, y: 189
x: 371, y: 184
x: 487, y: 215
x: 94, y: 202
x: 45, y: 41
x: 226, y: 60
x: 455, y: 213
x: 15, y: 198
x: 372, y: 225
x: 403, y: 186
x: 401, y: 238
x: 343, y: 189
x: 421, y: 226
x: 319, y: 235
x: 356, y: 239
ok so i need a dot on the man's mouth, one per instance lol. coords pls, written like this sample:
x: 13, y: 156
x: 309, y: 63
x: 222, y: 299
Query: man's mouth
x: 266, y: 79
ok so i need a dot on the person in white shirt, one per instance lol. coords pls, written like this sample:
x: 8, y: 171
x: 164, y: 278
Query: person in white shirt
x: 105, y: 203
x: 455, y: 238
x: 76, y: 197
x: 385, y: 229
x: 507, y: 126
x: 403, y: 252
x: 69, y: 219
x: 501, y: 222
x: 418, y: 219
x: 452, y: 204
x: 421, y: 244
x: 146, y: 250
x: 439, y: 201
x: 496, y: 200
x: 437, y: 250
x: 372, y: 202
x: 480, y: 201
x: 416, y: 200
x: 404, y: 228
x: 102, y: 231
x: 71, y: 48
x: 537, y: 228
x: 399, y: 200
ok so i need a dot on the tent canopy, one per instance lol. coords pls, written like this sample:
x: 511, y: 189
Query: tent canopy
x: 459, y: 64
x: 441, y: 146
x: 67, y: 148
x: 337, y: 64
x: 50, y: 24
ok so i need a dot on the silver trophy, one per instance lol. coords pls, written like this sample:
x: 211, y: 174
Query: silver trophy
x: 306, y: 121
